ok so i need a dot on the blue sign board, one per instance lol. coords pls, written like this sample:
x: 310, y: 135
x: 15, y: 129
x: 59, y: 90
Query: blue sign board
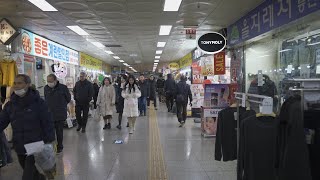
x: 269, y: 15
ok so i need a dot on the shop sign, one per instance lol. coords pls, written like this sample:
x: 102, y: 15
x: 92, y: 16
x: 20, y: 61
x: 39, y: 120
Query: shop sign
x: 35, y: 45
x: 212, y: 43
x: 197, y: 53
x: 185, y: 61
x: 7, y: 32
x: 197, y: 78
x: 220, y: 63
x: 191, y: 33
x: 270, y: 15
x: 90, y: 62
x: 211, y: 112
x: 174, y: 66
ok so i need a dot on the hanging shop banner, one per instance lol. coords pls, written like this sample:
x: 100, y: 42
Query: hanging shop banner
x: 212, y: 43
x: 207, y: 67
x: 220, y: 63
x: 269, y: 15
x: 174, y: 66
x: 197, y: 78
x: 38, y: 46
x: 90, y: 62
x: 7, y: 32
x: 185, y: 61
x: 191, y: 33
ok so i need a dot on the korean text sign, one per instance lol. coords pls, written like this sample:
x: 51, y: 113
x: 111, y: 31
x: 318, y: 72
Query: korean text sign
x: 90, y: 62
x: 38, y: 46
x: 269, y: 15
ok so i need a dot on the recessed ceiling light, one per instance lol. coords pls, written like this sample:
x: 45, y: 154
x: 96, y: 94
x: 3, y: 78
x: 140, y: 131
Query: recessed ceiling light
x: 116, y: 57
x: 172, y: 5
x: 159, y: 52
x: 157, y: 57
x: 109, y: 52
x: 43, y: 5
x: 98, y: 44
x: 165, y: 30
x: 121, y: 61
x: 156, y: 60
x: 78, y: 30
x: 161, y: 44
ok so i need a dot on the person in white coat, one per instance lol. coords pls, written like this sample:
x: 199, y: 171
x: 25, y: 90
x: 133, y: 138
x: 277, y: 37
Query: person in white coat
x: 131, y: 93
x: 106, y: 102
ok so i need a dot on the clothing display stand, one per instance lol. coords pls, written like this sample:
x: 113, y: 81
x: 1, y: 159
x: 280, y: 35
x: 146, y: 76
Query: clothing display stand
x: 266, y: 107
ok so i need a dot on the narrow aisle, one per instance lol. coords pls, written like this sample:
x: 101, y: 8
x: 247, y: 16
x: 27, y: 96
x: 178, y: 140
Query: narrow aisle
x: 188, y: 156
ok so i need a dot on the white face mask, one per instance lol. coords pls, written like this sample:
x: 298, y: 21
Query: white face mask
x: 20, y: 92
x: 52, y: 84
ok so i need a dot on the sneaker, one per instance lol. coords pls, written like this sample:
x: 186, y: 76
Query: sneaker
x: 83, y: 131
x: 79, y: 128
x: 119, y: 127
x: 131, y: 131
x: 156, y: 108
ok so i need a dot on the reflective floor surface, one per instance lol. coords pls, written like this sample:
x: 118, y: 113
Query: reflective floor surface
x: 157, y: 141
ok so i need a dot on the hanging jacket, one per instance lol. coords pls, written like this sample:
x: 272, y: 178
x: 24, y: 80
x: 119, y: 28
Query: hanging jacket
x: 30, y: 120
x: 8, y: 71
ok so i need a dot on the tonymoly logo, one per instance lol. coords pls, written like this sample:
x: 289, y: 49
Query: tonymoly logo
x: 212, y: 43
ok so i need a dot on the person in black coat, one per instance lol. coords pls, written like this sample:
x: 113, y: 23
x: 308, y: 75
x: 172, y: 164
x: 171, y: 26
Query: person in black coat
x: 169, y: 90
x: 160, y: 87
x: 31, y: 122
x: 96, y: 89
x: 121, y: 81
x: 183, y: 92
x: 144, y: 88
x: 152, y: 92
x: 83, y: 93
x: 57, y: 97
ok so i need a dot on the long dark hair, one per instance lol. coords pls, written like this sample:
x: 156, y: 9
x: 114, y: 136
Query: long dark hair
x: 131, y: 86
x: 105, y: 79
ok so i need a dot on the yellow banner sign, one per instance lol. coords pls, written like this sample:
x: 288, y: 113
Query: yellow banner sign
x: 90, y: 62
x: 186, y: 61
x: 174, y: 66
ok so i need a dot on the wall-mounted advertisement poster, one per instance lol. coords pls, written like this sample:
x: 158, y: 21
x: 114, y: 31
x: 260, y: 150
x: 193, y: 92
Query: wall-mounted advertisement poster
x: 197, y: 91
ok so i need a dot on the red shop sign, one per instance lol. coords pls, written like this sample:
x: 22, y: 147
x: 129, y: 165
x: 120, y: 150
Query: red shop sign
x: 220, y: 63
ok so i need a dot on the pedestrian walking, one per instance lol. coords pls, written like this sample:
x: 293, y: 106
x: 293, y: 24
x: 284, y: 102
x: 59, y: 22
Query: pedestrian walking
x: 152, y: 92
x: 144, y: 89
x: 31, y: 122
x: 96, y: 88
x: 83, y: 93
x: 121, y: 82
x: 131, y: 93
x: 160, y: 88
x: 183, y: 92
x: 57, y: 97
x: 170, y: 91
x: 106, y: 102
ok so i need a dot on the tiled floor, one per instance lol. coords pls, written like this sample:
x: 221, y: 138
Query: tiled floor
x: 93, y: 156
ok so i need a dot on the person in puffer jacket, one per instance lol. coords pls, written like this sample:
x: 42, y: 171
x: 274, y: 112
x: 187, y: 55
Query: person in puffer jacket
x: 31, y: 122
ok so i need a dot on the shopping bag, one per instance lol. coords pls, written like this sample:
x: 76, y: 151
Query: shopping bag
x: 69, y: 122
x: 46, y: 160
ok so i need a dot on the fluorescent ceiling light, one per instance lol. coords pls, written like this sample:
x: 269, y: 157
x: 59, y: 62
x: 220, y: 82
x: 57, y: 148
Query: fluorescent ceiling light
x: 312, y: 44
x: 157, y: 57
x: 172, y: 5
x: 165, y: 30
x: 161, y: 44
x: 156, y: 60
x: 78, y: 30
x: 109, y: 52
x: 159, y: 52
x: 122, y: 61
x: 116, y: 57
x: 98, y: 44
x: 156, y: 63
x: 43, y: 5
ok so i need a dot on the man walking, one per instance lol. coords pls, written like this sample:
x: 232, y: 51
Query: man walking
x: 144, y: 88
x: 169, y: 89
x: 160, y: 88
x: 152, y: 92
x: 83, y: 93
x: 183, y: 93
x: 57, y: 97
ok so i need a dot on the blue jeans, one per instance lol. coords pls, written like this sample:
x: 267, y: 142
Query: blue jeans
x: 142, y: 105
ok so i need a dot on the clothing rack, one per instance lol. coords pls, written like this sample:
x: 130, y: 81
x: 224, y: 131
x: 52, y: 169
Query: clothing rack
x: 265, y: 101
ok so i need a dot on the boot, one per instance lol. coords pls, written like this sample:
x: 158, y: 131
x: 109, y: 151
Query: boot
x: 127, y: 124
x: 79, y: 128
x: 109, y: 126
x: 119, y: 127
x: 105, y: 127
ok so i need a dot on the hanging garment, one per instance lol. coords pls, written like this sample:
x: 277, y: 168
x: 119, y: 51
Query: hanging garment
x: 8, y: 71
x: 293, y: 152
x: 258, y: 148
x: 226, y: 137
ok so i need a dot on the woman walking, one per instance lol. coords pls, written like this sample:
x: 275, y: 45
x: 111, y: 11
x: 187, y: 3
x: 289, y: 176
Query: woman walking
x: 121, y: 81
x: 131, y: 93
x: 106, y: 101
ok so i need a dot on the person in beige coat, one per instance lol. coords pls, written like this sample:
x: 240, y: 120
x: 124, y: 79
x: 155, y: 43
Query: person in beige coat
x: 106, y: 102
x: 131, y: 93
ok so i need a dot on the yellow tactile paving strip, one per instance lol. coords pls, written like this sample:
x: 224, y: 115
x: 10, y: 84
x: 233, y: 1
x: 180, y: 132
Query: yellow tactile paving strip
x: 157, y: 168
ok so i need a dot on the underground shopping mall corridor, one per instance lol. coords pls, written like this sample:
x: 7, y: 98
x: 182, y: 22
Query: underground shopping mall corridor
x: 158, y: 149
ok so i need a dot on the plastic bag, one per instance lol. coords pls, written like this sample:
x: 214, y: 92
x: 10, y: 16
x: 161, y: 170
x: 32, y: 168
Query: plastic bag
x: 45, y: 159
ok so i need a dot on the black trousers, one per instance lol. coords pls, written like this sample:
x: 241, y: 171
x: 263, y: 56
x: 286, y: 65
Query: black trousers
x: 59, y: 133
x: 82, y: 120
x: 182, y: 112
x: 95, y: 102
x: 154, y: 99
x: 169, y: 101
x: 30, y: 171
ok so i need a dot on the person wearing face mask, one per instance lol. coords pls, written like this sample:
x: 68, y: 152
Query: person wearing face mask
x: 83, y: 93
x: 31, y: 122
x: 57, y: 97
